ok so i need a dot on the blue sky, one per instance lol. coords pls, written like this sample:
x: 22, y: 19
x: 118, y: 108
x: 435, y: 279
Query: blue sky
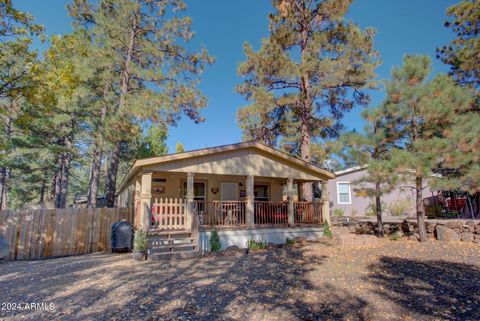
x: 403, y: 26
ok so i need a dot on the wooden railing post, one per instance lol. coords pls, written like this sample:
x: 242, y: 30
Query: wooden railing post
x: 250, y: 210
x: 291, y: 217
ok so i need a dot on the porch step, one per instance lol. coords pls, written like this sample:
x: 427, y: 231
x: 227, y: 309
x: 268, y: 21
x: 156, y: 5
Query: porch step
x: 167, y: 244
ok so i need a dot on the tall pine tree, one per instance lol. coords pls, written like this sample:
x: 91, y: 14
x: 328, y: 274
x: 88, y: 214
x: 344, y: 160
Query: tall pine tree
x: 420, y: 115
x: 313, y: 67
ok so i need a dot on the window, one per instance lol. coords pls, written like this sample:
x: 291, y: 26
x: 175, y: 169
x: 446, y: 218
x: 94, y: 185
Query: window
x: 261, y: 192
x: 199, y: 191
x: 343, y: 193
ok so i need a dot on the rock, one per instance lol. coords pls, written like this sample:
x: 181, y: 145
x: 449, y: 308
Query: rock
x: 466, y: 229
x: 232, y: 250
x: 477, y: 241
x: 431, y: 227
x: 477, y: 229
x: 452, y: 225
x: 4, y: 247
x: 477, y: 236
x: 413, y: 237
x: 467, y: 237
x: 446, y: 234
x: 471, y: 224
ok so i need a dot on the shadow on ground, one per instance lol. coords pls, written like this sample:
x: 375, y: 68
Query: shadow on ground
x: 433, y: 289
x: 258, y: 286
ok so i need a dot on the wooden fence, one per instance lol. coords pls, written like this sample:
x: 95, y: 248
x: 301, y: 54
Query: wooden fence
x: 35, y: 234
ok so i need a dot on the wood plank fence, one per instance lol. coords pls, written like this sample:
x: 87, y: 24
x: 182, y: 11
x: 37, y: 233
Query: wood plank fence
x: 35, y: 234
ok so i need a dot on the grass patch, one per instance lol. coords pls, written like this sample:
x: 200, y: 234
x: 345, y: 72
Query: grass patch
x: 256, y: 244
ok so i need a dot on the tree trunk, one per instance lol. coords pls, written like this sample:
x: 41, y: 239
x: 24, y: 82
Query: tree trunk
x: 43, y: 187
x: 378, y: 210
x: 304, y: 113
x: 3, y: 188
x: 64, y: 181
x: 97, y: 160
x: 419, y: 206
x: 58, y: 181
x: 110, y: 186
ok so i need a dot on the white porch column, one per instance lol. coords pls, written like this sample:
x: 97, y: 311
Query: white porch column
x: 250, y: 210
x: 291, y: 218
x: 326, y: 203
x: 190, y: 197
x: 137, y: 200
x: 146, y: 200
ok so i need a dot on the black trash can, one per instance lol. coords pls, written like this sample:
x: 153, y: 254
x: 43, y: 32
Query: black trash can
x: 122, y: 237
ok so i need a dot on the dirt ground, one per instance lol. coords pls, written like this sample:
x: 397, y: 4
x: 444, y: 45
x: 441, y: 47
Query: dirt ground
x: 401, y: 280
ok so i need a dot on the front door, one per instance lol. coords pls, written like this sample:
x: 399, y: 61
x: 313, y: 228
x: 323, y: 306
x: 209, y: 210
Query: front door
x: 229, y: 192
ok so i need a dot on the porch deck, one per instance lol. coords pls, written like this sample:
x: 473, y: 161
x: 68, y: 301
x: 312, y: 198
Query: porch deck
x: 171, y: 214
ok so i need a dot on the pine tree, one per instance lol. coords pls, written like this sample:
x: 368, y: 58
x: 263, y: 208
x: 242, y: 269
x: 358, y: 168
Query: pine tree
x: 372, y: 149
x: 179, y: 148
x: 16, y: 64
x: 311, y: 69
x: 152, y: 75
x: 420, y: 114
x: 463, y: 53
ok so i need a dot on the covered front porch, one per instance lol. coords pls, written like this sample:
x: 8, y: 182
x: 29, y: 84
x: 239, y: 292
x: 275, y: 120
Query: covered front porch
x: 173, y: 200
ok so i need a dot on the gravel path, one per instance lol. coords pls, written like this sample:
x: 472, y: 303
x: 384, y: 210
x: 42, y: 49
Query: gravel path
x: 316, y: 281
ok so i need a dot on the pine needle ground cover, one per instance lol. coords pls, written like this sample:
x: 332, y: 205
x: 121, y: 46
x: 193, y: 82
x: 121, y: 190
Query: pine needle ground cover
x: 393, y: 280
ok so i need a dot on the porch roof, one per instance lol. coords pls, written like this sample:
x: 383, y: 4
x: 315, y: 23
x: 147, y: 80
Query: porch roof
x: 221, y: 155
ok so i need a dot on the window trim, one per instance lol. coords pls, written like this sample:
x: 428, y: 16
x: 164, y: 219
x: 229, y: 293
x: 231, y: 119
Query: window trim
x: 267, y: 184
x: 349, y: 192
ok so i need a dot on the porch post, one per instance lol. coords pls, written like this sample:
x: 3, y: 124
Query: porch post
x: 189, y: 205
x: 137, y: 200
x: 291, y: 218
x: 250, y: 210
x: 146, y: 201
x: 326, y: 203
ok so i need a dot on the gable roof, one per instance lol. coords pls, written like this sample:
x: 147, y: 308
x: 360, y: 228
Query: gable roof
x: 221, y: 149
x: 350, y: 170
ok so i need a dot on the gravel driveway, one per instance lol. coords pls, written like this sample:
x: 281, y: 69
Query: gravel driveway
x: 316, y: 281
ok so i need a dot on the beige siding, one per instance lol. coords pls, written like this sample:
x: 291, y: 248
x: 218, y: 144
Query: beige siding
x: 174, y: 184
x: 237, y: 162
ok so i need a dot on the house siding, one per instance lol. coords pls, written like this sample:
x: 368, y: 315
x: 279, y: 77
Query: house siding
x: 359, y: 205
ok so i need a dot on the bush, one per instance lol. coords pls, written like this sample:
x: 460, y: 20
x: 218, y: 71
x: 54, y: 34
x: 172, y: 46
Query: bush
x: 290, y: 241
x: 326, y: 230
x: 338, y: 212
x: 395, y: 236
x: 371, y: 209
x: 256, y: 244
x: 215, y: 244
x: 399, y: 208
x: 140, y: 241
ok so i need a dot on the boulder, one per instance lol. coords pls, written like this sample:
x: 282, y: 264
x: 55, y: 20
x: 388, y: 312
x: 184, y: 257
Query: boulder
x: 471, y: 224
x: 476, y: 236
x: 446, y: 234
x: 4, y: 247
x: 477, y: 229
x: 466, y: 229
x: 452, y: 225
x: 431, y: 227
x: 232, y: 250
x: 467, y: 237
x: 477, y: 241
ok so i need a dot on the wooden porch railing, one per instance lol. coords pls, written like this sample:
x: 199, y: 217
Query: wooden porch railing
x: 307, y: 212
x: 220, y: 213
x: 169, y: 214
x: 269, y: 213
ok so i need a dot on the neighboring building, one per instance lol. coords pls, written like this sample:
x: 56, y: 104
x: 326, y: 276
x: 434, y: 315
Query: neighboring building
x: 236, y: 188
x: 348, y: 199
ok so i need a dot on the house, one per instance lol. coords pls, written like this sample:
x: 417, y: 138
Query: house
x: 236, y: 189
x: 348, y: 199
